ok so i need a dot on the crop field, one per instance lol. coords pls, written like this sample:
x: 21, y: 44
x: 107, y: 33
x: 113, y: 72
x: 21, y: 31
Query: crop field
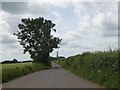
x: 13, y: 71
x: 99, y: 67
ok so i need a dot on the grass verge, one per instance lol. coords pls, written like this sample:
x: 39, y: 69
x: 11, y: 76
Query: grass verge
x: 98, y: 67
x: 13, y: 71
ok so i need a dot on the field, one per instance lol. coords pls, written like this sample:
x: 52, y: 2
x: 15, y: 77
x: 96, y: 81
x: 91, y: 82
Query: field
x: 13, y: 71
x: 99, y: 67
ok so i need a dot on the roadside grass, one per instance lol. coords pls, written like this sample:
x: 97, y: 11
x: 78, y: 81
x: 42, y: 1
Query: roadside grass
x: 0, y: 73
x: 99, y: 67
x: 13, y: 71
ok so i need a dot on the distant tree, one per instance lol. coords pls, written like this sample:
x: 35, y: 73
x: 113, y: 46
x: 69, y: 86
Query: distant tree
x: 10, y: 61
x: 27, y: 61
x: 35, y: 37
x: 6, y: 61
x: 61, y: 57
x: 15, y: 60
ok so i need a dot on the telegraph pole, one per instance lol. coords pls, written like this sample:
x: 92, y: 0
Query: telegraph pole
x: 57, y: 55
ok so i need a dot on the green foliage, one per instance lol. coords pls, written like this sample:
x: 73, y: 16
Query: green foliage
x: 99, y: 67
x: 15, y: 60
x: 35, y: 37
x: 12, y: 71
x: 0, y: 73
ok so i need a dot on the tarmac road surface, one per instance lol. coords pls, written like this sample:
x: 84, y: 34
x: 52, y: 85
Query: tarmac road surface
x: 55, y: 77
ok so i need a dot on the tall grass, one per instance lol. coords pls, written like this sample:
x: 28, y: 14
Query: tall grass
x: 13, y: 71
x: 99, y: 67
x: 0, y: 73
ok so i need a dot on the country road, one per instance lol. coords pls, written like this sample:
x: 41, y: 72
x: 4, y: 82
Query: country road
x: 55, y: 77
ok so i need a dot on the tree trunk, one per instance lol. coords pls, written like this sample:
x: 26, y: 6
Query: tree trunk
x: 43, y: 58
x: 46, y: 58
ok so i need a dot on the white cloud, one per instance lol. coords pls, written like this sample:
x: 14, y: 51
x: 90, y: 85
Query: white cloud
x: 95, y: 0
x: 62, y: 1
x: 57, y: 17
x: 15, y: 7
x: 11, y: 16
x: 96, y: 28
x: 97, y: 21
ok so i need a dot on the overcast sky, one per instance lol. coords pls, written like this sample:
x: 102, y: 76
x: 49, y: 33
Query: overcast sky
x: 83, y: 26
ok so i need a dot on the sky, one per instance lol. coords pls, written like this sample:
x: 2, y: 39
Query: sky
x: 83, y: 25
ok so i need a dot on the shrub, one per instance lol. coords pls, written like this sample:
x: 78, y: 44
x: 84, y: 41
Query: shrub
x: 99, y: 67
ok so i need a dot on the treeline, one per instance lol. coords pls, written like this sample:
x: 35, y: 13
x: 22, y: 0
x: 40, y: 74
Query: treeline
x: 99, y: 67
x: 56, y: 58
x: 14, y: 61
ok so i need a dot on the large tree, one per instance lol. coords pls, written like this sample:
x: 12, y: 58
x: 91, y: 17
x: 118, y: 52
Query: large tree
x: 35, y: 37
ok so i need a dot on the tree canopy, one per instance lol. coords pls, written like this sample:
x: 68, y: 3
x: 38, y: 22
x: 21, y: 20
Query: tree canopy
x: 36, y: 39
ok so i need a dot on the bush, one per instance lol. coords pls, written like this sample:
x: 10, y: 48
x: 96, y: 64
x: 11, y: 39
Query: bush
x: 99, y: 67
